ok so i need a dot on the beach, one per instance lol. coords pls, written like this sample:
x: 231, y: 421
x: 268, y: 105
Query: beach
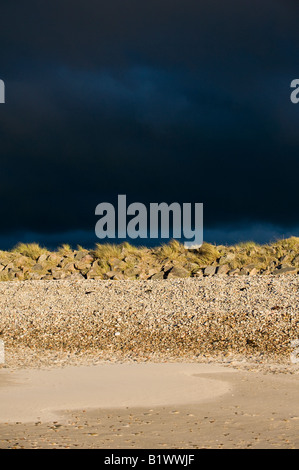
x: 181, y: 364
x: 149, y: 406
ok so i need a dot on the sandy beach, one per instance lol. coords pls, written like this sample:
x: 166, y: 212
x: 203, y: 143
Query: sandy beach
x: 122, y: 406
x: 181, y: 364
x: 32, y: 395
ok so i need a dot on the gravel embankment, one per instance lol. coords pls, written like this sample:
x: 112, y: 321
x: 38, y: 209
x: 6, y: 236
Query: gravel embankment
x: 243, y: 315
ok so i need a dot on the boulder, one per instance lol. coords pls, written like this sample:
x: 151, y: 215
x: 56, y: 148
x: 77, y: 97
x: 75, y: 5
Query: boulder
x: 295, y: 261
x: 234, y: 272
x: 157, y: 276
x: 223, y: 269
x: 209, y: 271
x: 285, y: 270
x: 177, y: 271
x: 198, y: 273
x: 42, y: 258
x: 37, y: 268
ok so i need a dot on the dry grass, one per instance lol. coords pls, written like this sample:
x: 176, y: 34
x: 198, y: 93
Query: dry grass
x: 31, y: 250
x: 287, y: 244
x: 207, y: 254
x: 171, y: 251
x: 236, y: 256
x: 65, y: 250
x: 106, y: 251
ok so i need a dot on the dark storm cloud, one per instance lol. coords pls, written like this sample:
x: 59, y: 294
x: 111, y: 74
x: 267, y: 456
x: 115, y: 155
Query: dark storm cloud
x: 159, y: 100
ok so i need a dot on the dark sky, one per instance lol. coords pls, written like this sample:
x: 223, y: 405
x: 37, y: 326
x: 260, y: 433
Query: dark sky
x: 161, y: 100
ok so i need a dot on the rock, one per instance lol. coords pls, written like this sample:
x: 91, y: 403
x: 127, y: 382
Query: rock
x: 110, y: 275
x: 23, y: 261
x: 14, y: 270
x: 193, y: 267
x: 69, y: 267
x: 234, y: 272
x: 113, y: 262
x: 63, y: 262
x: 223, y: 269
x: 33, y: 276
x: 122, y: 266
x: 152, y: 271
x: 282, y: 266
x: 42, y: 258
x: 285, y: 270
x: 19, y: 275
x: 198, y: 273
x: 167, y: 267
x: 244, y: 272
x: 88, y: 259
x: 131, y: 273
x: 226, y: 258
x: 131, y: 259
x: 177, y: 271
x: 118, y: 277
x: 296, y: 260
x: 80, y: 255
x: 75, y: 277
x: 283, y: 259
x: 250, y: 266
x: 209, y: 271
x: 55, y: 258
x: 94, y: 272
x: 157, y: 276
x: 266, y: 272
x: 82, y: 265
x: 9, y: 266
x: 58, y: 273
x: 249, y: 270
x: 37, y: 268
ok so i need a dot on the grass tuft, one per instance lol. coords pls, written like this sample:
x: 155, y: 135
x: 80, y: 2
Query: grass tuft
x: 31, y: 250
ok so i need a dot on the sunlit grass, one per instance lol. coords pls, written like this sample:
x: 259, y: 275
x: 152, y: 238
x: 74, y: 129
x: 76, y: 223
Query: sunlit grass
x: 236, y: 256
x: 31, y: 250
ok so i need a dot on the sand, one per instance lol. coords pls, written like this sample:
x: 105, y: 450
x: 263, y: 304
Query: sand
x: 155, y: 406
x: 32, y: 395
x: 196, y: 363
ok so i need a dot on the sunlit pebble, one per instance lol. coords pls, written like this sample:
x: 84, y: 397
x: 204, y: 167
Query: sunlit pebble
x: 160, y: 311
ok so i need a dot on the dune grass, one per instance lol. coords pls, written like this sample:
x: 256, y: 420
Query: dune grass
x: 236, y: 256
x: 31, y: 250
